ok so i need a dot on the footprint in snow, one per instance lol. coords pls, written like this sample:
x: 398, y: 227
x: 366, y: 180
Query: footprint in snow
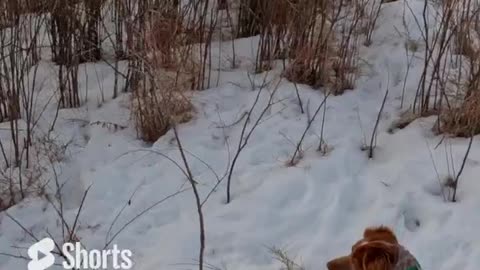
x: 410, y: 216
x: 412, y: 222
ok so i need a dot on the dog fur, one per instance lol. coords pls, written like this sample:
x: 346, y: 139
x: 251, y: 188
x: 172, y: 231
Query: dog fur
x: 378, y: 250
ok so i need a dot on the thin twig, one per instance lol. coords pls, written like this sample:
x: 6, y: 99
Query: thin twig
x: 197, y: 198
x: 457, y: 178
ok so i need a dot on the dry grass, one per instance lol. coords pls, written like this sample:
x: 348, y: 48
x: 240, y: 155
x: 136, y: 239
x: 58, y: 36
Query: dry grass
x: 161, y: 98
x: 303, y: 69
x: 311, y: 43
x: 287, y: 263
x: 33, y: 184
x: 323, y: 44
x: 155, y: 110
x: 463, y: 121
x: 463, y: 118
x: 272, y: 26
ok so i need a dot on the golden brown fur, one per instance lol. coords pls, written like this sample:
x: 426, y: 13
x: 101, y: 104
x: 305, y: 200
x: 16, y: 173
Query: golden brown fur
x: 380, y: 233
x: 376, y: 251
x: 375, y: 255
x: 340, y: 263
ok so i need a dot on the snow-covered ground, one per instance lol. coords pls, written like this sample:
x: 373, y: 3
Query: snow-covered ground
x: 314, y: 210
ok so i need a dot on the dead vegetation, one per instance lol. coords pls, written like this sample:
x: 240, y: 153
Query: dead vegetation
x: 167, y: 45
x: 285, y: 260
x: 168, y: 48
x: 317, y: 41
x: 460, y: 113
x: 449, y: 82
x: 169, y: 70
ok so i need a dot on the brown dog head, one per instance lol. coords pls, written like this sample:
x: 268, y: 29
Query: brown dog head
x: 374, y: 255
x: 378, y: 250
x: 380, y: 233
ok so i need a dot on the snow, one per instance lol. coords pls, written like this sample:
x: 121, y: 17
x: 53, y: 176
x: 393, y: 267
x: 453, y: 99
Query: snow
x: 315, y: 210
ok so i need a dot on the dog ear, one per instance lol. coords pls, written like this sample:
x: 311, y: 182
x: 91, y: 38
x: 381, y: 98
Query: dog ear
x: 375, y: 255
x: 380, y: 233
x: 340, y: 263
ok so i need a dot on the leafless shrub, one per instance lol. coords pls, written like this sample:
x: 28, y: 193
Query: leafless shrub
x: 372, y: 145
x: 272, y: 25
x: 464, y: 120
x: 66, y: 46
x: 198, y: 201
x: 345, y: 63
x: 18, y: 183
x: 287, y: 262
x: 449, y: 81
x: 370, y: 11
x: 155, y: 109
x: 311, y: 42
x: 322, y: 43
x: 249, y: 126
x: 19, y: 52
x: 457, y: 177
x: 22, y: 171
x: 462, y: 115
x: 249, y: 15
x: 168, y: 71
x: 432, y: 87
x: 298, y: 153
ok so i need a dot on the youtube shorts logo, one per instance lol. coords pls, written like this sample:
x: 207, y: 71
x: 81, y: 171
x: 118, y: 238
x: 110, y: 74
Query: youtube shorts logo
x: 41, y: 255
x: 77, y: 257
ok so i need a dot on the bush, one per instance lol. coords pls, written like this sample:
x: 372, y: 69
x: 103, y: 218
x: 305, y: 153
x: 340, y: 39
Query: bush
x: 160, y: 98
x: 463, y: 121
x: 155, y: 110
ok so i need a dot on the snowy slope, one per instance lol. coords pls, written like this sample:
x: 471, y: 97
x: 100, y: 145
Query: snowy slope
x: 314, y: 210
